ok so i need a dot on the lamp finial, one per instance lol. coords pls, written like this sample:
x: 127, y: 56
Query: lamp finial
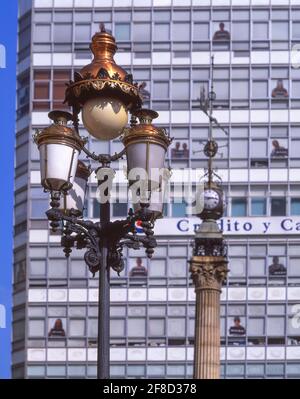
x: 102, y: 27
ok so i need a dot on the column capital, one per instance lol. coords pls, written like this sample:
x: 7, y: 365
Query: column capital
x: 208, y: 272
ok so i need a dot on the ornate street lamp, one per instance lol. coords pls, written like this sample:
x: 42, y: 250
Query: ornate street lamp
x: 105, y: 94
x: 208, y: 265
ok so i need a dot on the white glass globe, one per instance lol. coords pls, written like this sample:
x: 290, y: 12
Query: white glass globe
x: 104, y: 118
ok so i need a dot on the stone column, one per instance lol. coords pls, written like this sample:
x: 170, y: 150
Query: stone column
x: 208, y: 273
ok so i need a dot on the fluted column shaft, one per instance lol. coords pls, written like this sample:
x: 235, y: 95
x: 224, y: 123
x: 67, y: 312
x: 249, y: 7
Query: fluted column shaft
x: 208, y: 273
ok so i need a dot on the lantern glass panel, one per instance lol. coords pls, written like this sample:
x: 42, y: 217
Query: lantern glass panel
x: 58, y: 165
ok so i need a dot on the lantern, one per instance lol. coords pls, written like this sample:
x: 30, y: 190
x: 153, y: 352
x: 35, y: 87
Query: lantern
x: 59, y: 147
x: 146, y: 147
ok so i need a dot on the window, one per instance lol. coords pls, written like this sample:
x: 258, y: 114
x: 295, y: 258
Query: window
x: 296, y: 30
x: 162, y: 15
x: 260, y: 73
x: 76, y: 371
x: 155, y: 370
x: 93, y: 327
x: 158, y: 268
x: 260, y: 89
x: 136, y: 327
x: 117, y: 328
x: 179, y: 210
x: 36, y: 371
x: 238, y: 267
x: 201, y: 31
x: 257, y: 267
x: 255, y: 369
x: 37, y: 268
x: 295, y: 206
x: 161, y: 32
x: 260, y: 31
x: 135, y: 370
x: 240, y: 89
x: 181, y: 90
x: 160, y: 90
x: 21, y: 154
x: 176, y: 327
x: 53, y: 371
x: 238, y: 207
x: 63, y: 16
x: 156, y: 327
x: 38, y: 208
x: 62, y: 33
x: 177, y: 267
x: 295, y: 88
x: 256, y: 326
x: 78, y: 268
x: 280, y: 31
x: 259, y: 148
x: 295, y: 148
x: 77, y: 328
x: 115, y: 371
x: 57, y: 268
x: 42, y: 16
x: 260, y: 15
x: 141, y: 32
x: 235, y: 369
x: 77, y: 311
x: 278, y: 207
x: 120, y: 209
x: 41, y: 89
x: 56, y: 327
x: 42, y: 33
x: 239, y: 148
x: 258, y: 207
x: 122, y: 16
x: 275, y: 369
x: 256, y: 310
x: 122, y: 31
x: 276, y: 326
x: 294, y: 267
x: 82, y: 33
x: 36, y: 328
x: 222, y: 90
x: 240, y: 31
x: 181, y: 32
x: 60, y: 77
x: 293, y: 369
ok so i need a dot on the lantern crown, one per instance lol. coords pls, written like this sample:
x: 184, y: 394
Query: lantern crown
x: 103, y: 77
x: 59, y: 132
x: 145, y: 131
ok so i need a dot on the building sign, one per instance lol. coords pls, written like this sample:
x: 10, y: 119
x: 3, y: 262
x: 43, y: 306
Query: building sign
x: 232, y: 226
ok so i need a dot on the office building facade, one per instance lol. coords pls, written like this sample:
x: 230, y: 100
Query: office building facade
x: 168, y: 45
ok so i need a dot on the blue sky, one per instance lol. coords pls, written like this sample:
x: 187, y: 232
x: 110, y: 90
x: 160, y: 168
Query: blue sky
x: 8, y: 39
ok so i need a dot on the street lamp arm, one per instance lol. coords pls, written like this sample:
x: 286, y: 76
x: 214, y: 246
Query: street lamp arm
x: 83, y: 234
x: 105, y: 159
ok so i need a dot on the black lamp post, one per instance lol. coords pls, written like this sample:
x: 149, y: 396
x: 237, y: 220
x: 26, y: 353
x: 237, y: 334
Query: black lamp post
x: 105, y: 94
